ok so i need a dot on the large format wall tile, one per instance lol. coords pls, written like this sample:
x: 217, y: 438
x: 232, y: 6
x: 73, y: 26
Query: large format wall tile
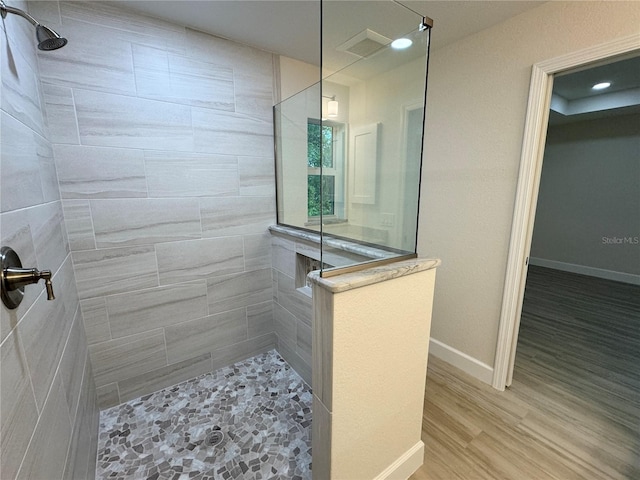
x: 96, y: 322
x: 20, y: 184
x: 257, y: 176
x: 161, y: 75
x: 144, y: 221
x: 164, y: 134
x: 49, y: 235
x: 45, y: 11
x: 145, y: 310
x: 176, y: 174
x: 243, y: 58
x: 82, y: 450
x: 48, y: 173
x: 260, y: 319
x: 136, y: 28
x: 128, y: 357
x: 44, y: 331
x: 119, y: 121
x: 197, y: 337
x: 47, y: 452
x: 231, y: 133
x: 253, y: 94
x: 17, y: 406
x: 292, y: 309
x: 199, y: 259
x: 77, y: 218
x: 15, y: 231
x: 43, y: 364
x: 233, y: 353
x: 61, y: 113
x: 20, y: 87
x: 108, y: 395
x: 303, y: 341
x: 164, y: 377
x: 222, y: 217
x: 241, y: 290
x: 294, y: 301
x: 97, y: 172
x: 72, y: 365
x: 115, y: 270
x: 83, y: 62
x: 285, y: 325
x: 284, y: 255
x: 257, y: 251
x: 295, y: 360
x: 20, y: 38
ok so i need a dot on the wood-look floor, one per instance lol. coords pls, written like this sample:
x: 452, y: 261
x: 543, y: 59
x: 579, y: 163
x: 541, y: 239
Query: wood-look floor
x: 573, y: 410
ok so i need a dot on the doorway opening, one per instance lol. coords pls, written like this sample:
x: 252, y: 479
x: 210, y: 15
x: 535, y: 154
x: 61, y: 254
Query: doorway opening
x: 528, y: 186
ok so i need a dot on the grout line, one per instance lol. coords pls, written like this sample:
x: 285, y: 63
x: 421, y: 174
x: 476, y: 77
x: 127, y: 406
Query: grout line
x: 106, y: 310
x: 75, y: 114
x: 166, y: 350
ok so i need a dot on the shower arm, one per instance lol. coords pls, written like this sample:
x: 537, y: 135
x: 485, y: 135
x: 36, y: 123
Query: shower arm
x: 4, y: 9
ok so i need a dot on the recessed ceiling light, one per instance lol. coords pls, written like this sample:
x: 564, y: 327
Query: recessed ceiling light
x: 601, y: 86
x: 401, y: 43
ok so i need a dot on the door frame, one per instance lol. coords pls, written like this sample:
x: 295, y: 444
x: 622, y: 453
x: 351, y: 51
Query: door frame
x: 527, y: 191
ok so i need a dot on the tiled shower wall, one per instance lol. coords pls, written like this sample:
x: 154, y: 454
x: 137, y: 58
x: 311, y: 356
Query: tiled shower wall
x: 163, y: 144
x: 48, y: 408
x: 292, y: 306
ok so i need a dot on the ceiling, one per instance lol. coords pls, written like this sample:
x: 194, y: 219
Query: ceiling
x: 291, y: 27
x: 574, y: 100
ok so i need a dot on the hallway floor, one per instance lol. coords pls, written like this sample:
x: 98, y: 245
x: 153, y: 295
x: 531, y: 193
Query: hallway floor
x: 261, y: 406
x: 573, y: 410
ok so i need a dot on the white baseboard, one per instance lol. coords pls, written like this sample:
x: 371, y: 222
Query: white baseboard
x: 590, y: 271
x: 405, y: 465
x: 464, y: 362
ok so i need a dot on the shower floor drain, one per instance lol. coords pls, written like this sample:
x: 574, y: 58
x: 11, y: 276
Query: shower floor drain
x: 214, y: 439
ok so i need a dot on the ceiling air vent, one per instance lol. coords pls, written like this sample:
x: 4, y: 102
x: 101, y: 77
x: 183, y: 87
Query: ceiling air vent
x: 364, y: 43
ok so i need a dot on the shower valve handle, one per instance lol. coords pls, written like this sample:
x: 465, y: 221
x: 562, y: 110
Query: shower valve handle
x: 15, y: 278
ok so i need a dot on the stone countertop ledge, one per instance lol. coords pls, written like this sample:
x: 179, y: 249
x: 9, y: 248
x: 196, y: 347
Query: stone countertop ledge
x: 377, y: 274
x: 345, y: 245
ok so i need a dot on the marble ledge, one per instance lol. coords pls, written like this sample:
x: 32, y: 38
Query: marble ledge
x: 345, y: 245
x: 370, y: 276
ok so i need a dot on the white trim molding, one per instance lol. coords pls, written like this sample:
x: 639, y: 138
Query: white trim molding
x: 527, y: 191
x: 461, y: 360
x: 405, y: 465
x: 585, y: 270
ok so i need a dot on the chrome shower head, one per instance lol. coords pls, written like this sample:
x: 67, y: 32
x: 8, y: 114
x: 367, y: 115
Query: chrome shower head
x: 48, y: 39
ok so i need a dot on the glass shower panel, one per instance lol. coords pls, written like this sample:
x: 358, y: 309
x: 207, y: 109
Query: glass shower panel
x: 349, y: 148
x: 297, y: 134
x: 373, y: 98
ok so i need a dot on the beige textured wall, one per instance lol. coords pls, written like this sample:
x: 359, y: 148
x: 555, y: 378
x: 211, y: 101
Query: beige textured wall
x: 476, y: 105
x: 295, y: 76
x: 373, y: 392
x: 48, y: 407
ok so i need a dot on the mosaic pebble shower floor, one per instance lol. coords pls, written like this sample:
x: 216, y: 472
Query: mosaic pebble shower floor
x: 261, y: 406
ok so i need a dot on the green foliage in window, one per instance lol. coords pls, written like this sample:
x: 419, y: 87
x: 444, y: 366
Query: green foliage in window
x: 320, y: 152
x: 314, y: 195
x: 319, y: 147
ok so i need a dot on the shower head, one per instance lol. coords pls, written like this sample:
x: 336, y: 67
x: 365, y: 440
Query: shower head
x: 48, y: 39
